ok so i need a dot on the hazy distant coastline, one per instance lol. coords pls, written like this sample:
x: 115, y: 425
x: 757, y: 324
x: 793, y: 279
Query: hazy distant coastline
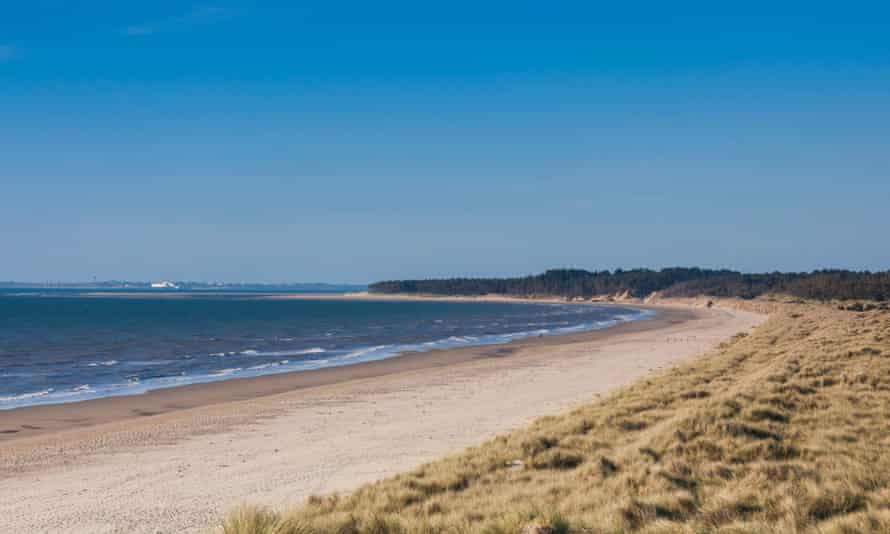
x: 174, y: 285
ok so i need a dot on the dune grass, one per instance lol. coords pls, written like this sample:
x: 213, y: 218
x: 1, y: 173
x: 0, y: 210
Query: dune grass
x: 783, y: 430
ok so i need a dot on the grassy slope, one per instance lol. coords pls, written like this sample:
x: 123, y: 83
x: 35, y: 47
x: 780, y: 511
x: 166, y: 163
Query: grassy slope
x: 784, y: 430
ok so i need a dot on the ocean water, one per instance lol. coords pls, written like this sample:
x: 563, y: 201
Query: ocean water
x: 58, y: 346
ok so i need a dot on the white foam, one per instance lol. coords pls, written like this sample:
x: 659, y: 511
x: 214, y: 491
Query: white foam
x: 363, y: 352
x: 279, y: 353
x: 25, y: 396
x: 226, y: 372
x: 107, y: 363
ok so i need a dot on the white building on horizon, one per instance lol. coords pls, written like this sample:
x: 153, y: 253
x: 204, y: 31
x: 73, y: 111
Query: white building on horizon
x: 164, y: 285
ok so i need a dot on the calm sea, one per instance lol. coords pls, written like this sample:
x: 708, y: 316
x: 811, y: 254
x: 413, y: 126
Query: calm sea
x: 58, y: 346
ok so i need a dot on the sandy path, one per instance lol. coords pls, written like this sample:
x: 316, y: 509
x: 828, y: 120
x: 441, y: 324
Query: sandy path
x: 178, y: 472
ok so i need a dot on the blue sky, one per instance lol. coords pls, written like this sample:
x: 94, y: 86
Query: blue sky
x: 260, y: 141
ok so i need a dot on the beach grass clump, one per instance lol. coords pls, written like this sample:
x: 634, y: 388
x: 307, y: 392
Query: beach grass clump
x: 783, y: 430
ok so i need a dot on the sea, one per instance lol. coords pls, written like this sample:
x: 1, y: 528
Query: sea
x: 65, y: 346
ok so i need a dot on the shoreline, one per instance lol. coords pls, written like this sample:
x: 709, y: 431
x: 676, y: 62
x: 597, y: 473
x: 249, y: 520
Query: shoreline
x: 49, y: 396
x: 42, y: 419
x: 181, y: 469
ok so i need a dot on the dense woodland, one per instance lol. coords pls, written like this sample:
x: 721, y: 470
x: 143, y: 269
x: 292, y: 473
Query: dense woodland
x: 672, y: 282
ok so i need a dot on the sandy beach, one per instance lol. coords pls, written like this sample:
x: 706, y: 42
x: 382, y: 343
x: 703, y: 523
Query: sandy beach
x: 174, y: 460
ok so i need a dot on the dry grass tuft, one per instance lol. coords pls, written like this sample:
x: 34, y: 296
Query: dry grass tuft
x: 783, y: 430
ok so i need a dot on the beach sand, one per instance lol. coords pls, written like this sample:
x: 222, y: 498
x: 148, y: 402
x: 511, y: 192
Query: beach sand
x: 174, y: 460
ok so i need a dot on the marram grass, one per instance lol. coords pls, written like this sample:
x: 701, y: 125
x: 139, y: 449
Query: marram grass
x: 783, y: 430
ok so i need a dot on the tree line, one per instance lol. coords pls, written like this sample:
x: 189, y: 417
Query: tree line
x: 670, y: 282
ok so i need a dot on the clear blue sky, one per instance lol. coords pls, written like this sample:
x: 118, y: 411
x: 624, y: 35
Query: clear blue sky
x: 354, y: 141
